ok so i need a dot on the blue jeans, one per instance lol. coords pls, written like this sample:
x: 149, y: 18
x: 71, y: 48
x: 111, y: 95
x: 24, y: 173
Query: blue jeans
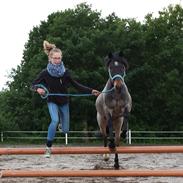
x: 58, y: 112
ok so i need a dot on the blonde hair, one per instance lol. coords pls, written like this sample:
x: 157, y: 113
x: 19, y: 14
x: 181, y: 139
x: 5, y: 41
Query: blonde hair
x: 50, y: 48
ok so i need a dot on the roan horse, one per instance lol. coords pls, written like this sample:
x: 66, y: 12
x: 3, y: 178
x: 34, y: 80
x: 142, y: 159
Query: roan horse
x: 114, y: 106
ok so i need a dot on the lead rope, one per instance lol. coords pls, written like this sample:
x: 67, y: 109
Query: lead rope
x: 67, y: 94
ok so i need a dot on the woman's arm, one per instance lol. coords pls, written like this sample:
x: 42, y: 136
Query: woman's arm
x: 83, y: 88
x: 39, y: 80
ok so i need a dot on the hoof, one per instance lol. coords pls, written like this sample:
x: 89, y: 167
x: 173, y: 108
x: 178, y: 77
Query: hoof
x: 106, y: 157
x: 97, y: 167
x: 112, y: 145
x: 116, y: 166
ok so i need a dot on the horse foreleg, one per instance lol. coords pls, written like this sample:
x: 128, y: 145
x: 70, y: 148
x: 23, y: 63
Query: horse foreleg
x: 116, y: 161
x: 111, y: 137
x: 117, y: 141
x: 103, y: 130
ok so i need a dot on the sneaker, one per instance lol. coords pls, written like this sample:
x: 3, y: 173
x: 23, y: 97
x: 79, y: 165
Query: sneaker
x: 59, y: 127
x: 47, y: 152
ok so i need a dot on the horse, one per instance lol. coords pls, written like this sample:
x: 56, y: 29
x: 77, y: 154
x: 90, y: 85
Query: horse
x: 114, y: 104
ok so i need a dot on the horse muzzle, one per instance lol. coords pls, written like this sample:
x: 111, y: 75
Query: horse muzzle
x: 118, y: 82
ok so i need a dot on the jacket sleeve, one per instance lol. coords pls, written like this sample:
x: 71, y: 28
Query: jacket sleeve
x: 79, y: 86
x: 39, y: 80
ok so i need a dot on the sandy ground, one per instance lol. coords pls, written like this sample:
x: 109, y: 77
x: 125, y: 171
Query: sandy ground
x: 75, y: 162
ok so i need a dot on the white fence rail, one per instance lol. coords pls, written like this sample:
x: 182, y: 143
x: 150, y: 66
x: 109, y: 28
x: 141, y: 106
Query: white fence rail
x: 93, y: 135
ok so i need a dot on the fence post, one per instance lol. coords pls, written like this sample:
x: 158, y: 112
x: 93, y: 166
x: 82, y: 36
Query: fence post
x: 2, y: 137
x: 66, y: 139
x: 130, y: 137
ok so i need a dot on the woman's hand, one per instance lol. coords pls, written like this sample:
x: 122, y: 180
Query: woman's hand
x: 95, y: 92
x: 41, y: 91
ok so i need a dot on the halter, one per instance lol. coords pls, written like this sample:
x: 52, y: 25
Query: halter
x: 121, y: 76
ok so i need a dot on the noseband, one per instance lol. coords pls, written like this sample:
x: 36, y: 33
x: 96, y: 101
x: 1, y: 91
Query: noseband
x: 120, y: 76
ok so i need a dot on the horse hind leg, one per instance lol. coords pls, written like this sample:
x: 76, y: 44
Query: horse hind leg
x: 105, y: 137
x: 112, y: 144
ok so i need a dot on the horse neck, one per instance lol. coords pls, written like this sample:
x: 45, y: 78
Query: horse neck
x: 118, y: 94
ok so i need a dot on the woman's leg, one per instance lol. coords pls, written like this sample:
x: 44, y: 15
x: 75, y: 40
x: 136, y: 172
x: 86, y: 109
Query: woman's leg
x: 53, y: 110
x: 64, y: 114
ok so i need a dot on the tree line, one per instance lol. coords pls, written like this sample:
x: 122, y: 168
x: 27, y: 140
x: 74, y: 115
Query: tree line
x: 153, y: 48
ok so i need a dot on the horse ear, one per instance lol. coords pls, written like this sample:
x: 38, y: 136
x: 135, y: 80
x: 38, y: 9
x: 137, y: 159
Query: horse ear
x: 110, y: 55
x: 121, y: 54
x: 108, y: 58
x: 124, y: 60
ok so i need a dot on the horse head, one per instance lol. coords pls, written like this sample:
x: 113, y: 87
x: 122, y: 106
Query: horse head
x: 116, y: 65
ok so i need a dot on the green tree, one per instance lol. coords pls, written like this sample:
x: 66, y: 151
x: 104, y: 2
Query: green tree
x: 154, y: 50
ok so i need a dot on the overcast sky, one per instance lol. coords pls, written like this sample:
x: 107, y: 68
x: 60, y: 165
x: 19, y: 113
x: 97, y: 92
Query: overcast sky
x: 18, y: 17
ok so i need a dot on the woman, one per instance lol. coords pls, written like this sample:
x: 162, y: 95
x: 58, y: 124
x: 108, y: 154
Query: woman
x: 56, y: 78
